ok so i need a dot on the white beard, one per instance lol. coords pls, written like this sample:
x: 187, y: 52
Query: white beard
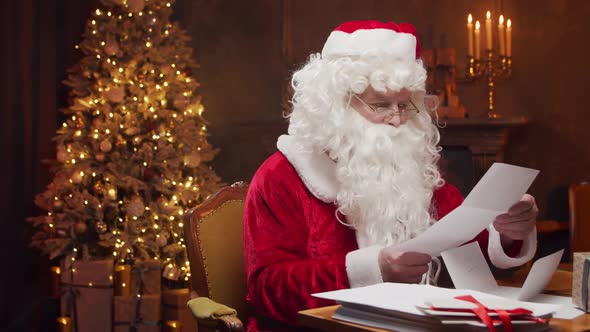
x: 387, y: 176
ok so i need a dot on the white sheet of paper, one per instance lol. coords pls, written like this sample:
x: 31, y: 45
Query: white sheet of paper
x: 540, y: 275
x: 469, y: 270
x: 502, y: 186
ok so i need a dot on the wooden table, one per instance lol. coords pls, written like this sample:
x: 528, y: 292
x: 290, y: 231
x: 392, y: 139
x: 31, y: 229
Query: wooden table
x: 561, y: 284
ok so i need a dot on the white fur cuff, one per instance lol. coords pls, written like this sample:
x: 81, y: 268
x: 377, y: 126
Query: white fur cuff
x: 499, y: 258
x: 362, y: 267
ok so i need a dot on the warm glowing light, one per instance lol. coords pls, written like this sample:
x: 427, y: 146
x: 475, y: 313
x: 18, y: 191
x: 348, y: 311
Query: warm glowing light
x: 469, y: 18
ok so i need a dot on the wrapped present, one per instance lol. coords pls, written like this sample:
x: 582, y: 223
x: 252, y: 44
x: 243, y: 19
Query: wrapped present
x: 581, y: 280
x: 137, y: 313
x: 148, y: 273
x: 174, y: 308
x: 87, y: 294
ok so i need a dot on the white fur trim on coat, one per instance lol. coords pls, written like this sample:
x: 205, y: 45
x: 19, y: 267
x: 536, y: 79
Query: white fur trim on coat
x: 362, y: 267
x: 499, y: 258
x: 317, y: 170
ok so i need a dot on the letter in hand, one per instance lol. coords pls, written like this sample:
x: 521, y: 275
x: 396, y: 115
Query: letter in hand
x: 403, y: 267
x: 519, y: 221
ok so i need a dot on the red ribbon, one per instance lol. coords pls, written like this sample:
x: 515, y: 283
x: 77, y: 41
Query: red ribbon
x: 483, y: 313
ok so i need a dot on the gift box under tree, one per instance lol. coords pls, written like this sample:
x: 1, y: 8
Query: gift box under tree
x: 87, y: 294
x: 137, y: 303
x: 174, y: 308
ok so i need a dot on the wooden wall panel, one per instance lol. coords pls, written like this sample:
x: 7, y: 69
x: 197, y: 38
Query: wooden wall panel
x: 246, y: 54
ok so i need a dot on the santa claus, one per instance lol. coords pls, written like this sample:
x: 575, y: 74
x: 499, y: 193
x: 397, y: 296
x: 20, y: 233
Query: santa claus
x: 356, y: 176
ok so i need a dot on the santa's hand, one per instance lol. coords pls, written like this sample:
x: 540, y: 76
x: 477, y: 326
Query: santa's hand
x: 519, y: 221
x: 404, y: 266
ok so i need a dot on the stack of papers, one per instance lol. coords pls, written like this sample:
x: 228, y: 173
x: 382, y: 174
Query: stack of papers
x: 405, y: 307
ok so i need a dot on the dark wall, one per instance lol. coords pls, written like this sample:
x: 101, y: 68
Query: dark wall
x: 247, y: 49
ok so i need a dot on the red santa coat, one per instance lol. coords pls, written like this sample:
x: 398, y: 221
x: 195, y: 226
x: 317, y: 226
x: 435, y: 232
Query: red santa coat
x: 293, y: 244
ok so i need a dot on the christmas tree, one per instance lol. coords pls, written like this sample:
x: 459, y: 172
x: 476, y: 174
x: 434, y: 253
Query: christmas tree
x: 132, y: 153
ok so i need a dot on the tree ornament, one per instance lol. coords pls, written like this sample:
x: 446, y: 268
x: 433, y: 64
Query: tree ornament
x: 80, y: 228
x: 98, y: 188
x: 58, y: 205
x: 111, y: 47
x: 171, y: 271
x: 115, y: 94
x: 76, y: 177
x: 132, y: 131
x: 105, y: 146
x: 188, y: 71
x: 161, y: 241
x: 120, y: 141
x: 135, y: 6
x: 62, y: 233
x: 150, y: 125
x: 193, y: 159
x: 149, y: 173
x: 135, y: 207
x: 112, y: 192
x: 100, y: 227
x: 62, y: 155
x: 180, y: 102
x: 99, y: 157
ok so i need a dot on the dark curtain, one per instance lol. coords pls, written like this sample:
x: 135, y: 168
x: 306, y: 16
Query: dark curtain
x: 38, y: 38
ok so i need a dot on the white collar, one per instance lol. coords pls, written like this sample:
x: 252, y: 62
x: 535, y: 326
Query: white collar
x: 317, y: 170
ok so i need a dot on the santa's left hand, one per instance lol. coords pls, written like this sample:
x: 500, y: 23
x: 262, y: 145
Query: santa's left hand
x: 519, y: 221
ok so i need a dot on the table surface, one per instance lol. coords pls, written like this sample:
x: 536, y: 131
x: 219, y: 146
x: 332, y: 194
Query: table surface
x: 561, y: 284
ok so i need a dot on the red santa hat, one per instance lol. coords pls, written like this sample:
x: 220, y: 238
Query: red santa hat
x: 357, y: 37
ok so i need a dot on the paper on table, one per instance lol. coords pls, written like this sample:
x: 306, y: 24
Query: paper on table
x: 469, y: 270
x: 501, y: 187
x: 407, y: 298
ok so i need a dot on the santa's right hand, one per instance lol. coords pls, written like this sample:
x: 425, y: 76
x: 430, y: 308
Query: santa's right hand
x: 402, y: 266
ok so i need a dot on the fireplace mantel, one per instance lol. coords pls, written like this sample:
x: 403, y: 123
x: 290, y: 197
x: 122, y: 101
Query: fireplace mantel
x: 485, y: 138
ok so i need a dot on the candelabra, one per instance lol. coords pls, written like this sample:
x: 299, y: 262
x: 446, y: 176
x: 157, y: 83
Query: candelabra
x: 492, y: 69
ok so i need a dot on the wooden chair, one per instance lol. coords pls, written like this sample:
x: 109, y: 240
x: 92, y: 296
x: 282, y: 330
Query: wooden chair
x: 578, y: 225
x: 213, y: 232
x: 579, y: 204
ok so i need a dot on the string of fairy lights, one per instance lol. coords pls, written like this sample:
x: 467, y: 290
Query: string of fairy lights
x: 124, y: 100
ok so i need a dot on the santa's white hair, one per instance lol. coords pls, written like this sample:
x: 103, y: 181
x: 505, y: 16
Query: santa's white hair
x: 386, y: 174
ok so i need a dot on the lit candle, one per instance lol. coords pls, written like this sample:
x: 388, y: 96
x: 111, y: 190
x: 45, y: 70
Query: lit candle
x: 123, y: 280
x: 55, y: 281
x: 172, y: 326
x: 501, y: 35
x: 477, y: 40
x: 488, y: 30
x: 64, y: 324
x: 470, y: 35
x: 508, y: 38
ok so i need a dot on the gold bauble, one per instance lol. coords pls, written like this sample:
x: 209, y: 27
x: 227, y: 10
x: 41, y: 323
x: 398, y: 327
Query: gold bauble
x: 135, y: 6
x: 111, y: 47
x: 80, y: 227
x: 76, y: 177
x: 115, y: 94
x: 105, y: 146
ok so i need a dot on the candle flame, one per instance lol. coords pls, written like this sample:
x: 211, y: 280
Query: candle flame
x: 509, y: 23
x: 488, y: 14
x: 477, y: 25
x: 469, y: 18
x: 501, y: 19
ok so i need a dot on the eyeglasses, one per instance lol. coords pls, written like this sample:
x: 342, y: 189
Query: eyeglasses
x: 406, y: 109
